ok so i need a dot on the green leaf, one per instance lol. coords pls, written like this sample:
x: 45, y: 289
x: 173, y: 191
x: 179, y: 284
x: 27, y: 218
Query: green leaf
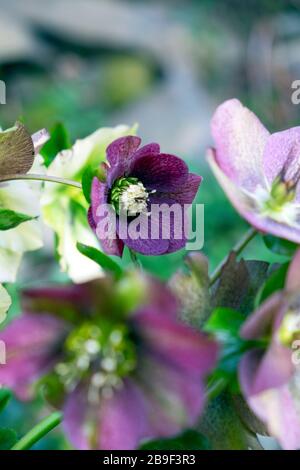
x: 16, y: 150
x: 59, y: 140
x: 100, y: 258
x: 225, y: 320
x: 11, y: 219
x: 8, y: 438
x: 87, y: 179
x: 189, y: 440
x: 280, y: 246
x: 5, y: 396
x: 274, y: 283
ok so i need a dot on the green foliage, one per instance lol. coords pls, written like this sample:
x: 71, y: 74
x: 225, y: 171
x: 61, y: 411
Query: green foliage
x: 189, y: 440
x: 59, y: 140
x: 280, y: 246
x: 10, y: 219
x: 8, y: 438
x: 100, y: 258
x: 275, y: 282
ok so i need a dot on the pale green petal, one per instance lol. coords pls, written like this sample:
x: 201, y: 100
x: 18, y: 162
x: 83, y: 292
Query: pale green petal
x: 5, y: 303
x: 9, y: 264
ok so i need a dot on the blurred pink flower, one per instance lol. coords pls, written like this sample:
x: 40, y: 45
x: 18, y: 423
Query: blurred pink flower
x: 119, y: 375
x: 270, y: 376
x: 258, y: 171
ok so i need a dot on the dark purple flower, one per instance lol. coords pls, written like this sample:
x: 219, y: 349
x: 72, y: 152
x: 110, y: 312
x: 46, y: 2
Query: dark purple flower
x: 270, y: 373
x: 136, y: 179
x: 120, y: 374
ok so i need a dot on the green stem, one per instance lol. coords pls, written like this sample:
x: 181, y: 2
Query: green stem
x: 39, y: 431
x: 238, y: 248
x: 49, y: 179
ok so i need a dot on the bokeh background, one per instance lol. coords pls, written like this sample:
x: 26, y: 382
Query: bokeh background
x: 164, y: 64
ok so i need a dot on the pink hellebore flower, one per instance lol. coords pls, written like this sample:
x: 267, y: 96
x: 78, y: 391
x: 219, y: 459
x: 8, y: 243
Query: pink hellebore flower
x: 120, y: 375
x: 270, y: 377
x: 258, y: 171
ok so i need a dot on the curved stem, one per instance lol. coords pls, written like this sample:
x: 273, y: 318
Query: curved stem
x: 49, y: 179
x: 39, y: 431
x: 238, y: 248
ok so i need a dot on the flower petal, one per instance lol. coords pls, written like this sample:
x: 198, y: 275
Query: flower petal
x: 292, y: 283
x: 120, y: 154
x: 177, y: 343
x: 260, y: 322
x: 240, y: 139
x: 5, y: 302
x: 278, y: 149
x: 161, y: 172
x: 30, y: 342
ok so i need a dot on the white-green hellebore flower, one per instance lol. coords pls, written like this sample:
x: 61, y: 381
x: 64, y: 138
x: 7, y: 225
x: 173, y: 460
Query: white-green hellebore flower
x: 65, y: 208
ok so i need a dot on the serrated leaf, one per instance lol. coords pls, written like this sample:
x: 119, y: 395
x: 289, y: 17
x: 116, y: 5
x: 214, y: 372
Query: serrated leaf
x: 11, y: 219
x: 59, y: 140
x: 16, y: 151
x: 100, y: 258
x: 280, y: 246
x: 5, y: 396
x: 8, y: 438
x: 189, y: 440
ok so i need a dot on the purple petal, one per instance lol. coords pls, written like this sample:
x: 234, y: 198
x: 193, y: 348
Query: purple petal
x: 124, y: 421
x: 293, y: 275
x: 75, y: 415
x: 111, y: 244
x: 120, y: 154
x: 30, y: 342
x: 146, y: 151
x: 240, y: 139
x: 161, y: 172
x: 175, y: 398
x: 278, y: 148
x: 260, y: 322
x: 177, y: 343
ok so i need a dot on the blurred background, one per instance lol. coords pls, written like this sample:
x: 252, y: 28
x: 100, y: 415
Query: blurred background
x: 163, y: 64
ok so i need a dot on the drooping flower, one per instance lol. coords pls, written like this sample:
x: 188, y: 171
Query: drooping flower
x: 136, y: 180
x: 258, y: 171
x: 64, y: 208
x: 114, y: 356
x: 22, y: 197
x: 270, y: 373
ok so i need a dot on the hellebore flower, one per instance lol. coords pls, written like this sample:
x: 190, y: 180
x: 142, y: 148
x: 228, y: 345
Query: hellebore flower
x: 23, y: 198
x: 64, y: 208
x: 258, y: 171
x: 136, y: 180
x: 270, y: 376
x: 114, y: 356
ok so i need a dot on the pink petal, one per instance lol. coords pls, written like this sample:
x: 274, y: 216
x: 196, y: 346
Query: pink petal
x: 277, y: 150
x: 30, y: 348
x: 75, y: 415
x: 293, y: 275
x: 240, y: 139
x: 261, y: 321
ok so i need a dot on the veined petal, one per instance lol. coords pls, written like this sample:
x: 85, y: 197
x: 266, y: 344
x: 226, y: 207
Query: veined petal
x: 240, y: 139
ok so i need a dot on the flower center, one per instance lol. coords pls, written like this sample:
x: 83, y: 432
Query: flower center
x: 128, y: 195
x: 104, y: 354
x: 289, y: 330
